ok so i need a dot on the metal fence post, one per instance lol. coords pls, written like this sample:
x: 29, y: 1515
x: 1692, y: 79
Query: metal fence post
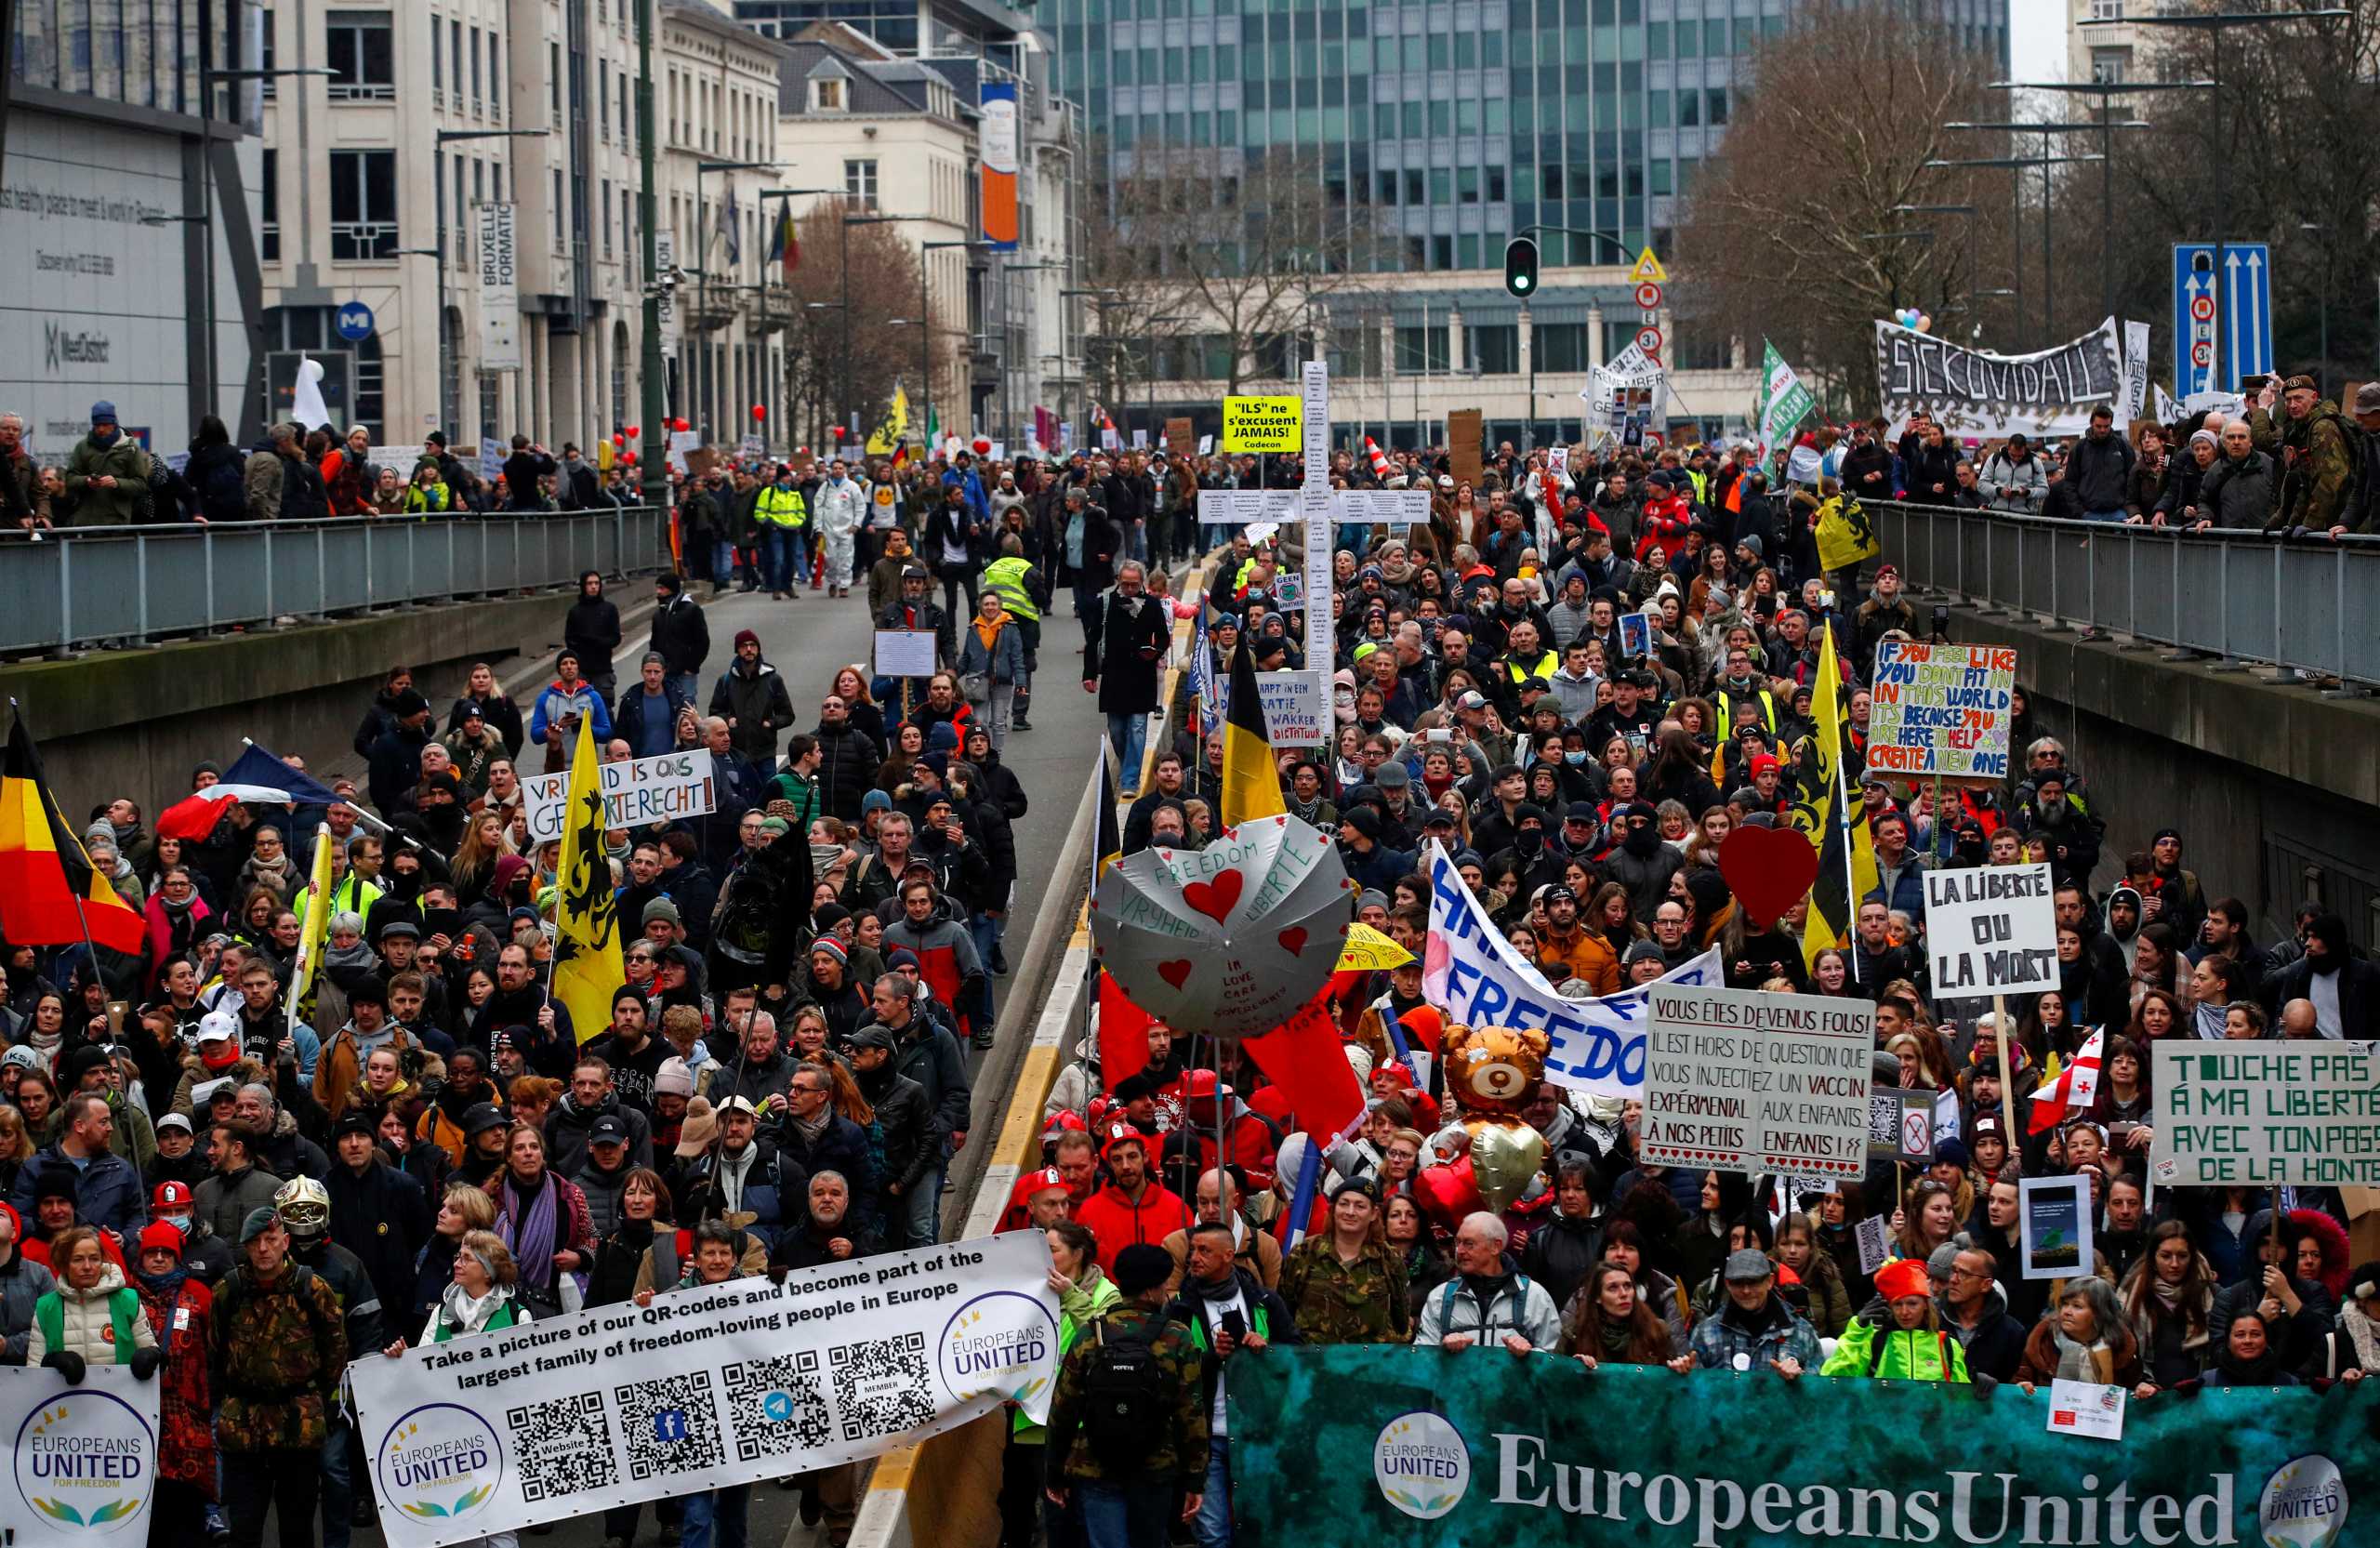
x: 65, y: 598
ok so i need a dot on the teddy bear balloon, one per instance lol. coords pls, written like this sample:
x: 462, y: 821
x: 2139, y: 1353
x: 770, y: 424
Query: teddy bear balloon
x: 1494, y: 1073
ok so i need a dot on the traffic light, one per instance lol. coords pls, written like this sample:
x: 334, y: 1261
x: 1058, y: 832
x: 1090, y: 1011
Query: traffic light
x: 1520, y: 266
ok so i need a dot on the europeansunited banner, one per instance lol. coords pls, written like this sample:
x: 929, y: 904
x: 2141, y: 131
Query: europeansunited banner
x: 84, y: 1463
x: 1398, y: 1446
x: 705, y: 1388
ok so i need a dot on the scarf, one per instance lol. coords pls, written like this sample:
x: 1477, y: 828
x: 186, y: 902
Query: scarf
x: 531, y: 1228
x: 812, y: 1130
x: 1617, y: 1336
x: 2082, y: 1362
x: 469, y: 1314
x: 1304, y: 811
x: 46, y: 1044
x: 2363, y: 1333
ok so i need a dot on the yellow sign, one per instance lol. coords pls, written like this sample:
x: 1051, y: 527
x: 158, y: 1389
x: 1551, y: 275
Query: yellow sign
x: 1264, y: 425
x: 1367, y: 948
x: 1649, y: 269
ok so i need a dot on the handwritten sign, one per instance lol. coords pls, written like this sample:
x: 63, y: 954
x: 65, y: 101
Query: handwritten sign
x: 2260, y: 1114
x: 1942, y: 709
x: 1179, y: 438
x: 1992, y: 930
x: 1262, y: 425
x: 638, y: 792
x: 1739, y: 1080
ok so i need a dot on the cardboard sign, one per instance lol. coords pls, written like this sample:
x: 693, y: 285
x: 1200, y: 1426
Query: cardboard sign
x: 2053, y: 1223
x: 2266, y: 1113
x: 1178, y: 437
x: 1465, y: 433
x: 1739, y: 1080
x: 638, y: 792
x: 904, y: 653
x: 1942, y: 709
x: 2085, y: 1409
x: 1262, y: 425
x: 1992, y: 930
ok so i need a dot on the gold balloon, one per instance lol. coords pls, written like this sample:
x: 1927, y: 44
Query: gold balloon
x: 1504, y: 1155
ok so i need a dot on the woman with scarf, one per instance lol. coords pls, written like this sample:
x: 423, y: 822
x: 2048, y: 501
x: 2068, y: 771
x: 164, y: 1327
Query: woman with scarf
x: 176, y: 916
x: 542, y: 1219
x: 179, y: 1304
x: 1623, y: 1244
x: 1797, y: 1249
x: 479, y: 1297
x: 1085, y: 1293
x: 464, y: 1209
x: 1606, y: 1321
x: 2169, y: 1300
x: 2250, y: 1355
x: 2351, y: 1350
x: 2086, y: 1339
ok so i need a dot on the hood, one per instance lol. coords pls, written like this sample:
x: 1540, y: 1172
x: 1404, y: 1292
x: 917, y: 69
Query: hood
x: 111, y: 1281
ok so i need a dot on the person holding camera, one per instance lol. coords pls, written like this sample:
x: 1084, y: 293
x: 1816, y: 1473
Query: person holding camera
x: 1229, y: 1314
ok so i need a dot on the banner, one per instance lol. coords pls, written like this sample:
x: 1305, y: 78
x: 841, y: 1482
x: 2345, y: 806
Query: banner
x: 1971, y: 392
x: 2256, y: 1113
x: 1942, y: 709
x: 1743, y: 1080
x: 638, y: 792
x: 1297, y: 706
x: 1992, y: 930
x: 997, y: 137
x: 1472, y: 974
x: 499, y: 295
x: 1261, y: 424
x: 2136, y: 373
x: 1784, y: 402
x: 705, y: 1388
x: 1403, y: 1447
x: 83, y: 1458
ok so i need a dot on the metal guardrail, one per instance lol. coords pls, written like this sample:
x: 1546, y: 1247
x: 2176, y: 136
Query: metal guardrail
x: 87, y: 585
x: 2314, y: 605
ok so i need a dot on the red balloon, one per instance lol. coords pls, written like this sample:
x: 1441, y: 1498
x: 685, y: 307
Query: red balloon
x: 629, y: 457
x: 634, y: 431
x: 680, y: 426
x: 838, y: 432
x: 618, y: 440
x: 760, y: 411
x: 983, y: 447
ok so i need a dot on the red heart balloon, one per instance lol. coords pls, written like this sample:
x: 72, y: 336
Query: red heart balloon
x: 1214, y: 898
x: 1769, y: 869
x: 1447, y: 1194
x: 1293, y: 940
x: 1175, y: 972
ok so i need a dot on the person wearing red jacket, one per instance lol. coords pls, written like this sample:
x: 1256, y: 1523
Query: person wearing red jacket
x: 1253, y: 1138
x: 1668, y: 516
x: 1133, y: 1207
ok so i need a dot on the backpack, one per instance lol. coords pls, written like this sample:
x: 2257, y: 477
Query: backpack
x: 1124, y: 1398
x: 2359, y: 445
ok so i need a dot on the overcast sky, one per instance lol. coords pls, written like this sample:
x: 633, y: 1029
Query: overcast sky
x: 2037, y: 39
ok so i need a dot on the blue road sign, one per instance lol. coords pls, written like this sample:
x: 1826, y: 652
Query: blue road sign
x: 2241, y: 295
x: 355, y: 321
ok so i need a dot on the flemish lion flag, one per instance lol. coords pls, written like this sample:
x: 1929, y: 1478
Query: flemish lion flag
x: 1252, y: 781
x: 886, y: 439
x: 1822, y: 809
x: 587, y: 934
x: 1845, y: 536
x: 50, y: 894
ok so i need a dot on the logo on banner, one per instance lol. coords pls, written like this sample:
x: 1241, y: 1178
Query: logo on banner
x: 1422, y: 1465
x: 998, y: 1344
x: 2303, y: 1504
x: 441, y: 1462
x: 83, y: 1461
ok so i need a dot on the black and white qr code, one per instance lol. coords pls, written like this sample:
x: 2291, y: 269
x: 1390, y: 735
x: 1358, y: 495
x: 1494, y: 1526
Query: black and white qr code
x: 669, y: 1424
x: 777, y: 1406
x: 564, y: 1447
x: 881, y: 1385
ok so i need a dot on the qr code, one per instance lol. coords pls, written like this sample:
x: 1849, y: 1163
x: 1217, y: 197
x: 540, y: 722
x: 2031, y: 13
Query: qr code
x: 776, y: 1406
x: 881, y: 1385
x: 561, y: 1447
x: 669, y: 1424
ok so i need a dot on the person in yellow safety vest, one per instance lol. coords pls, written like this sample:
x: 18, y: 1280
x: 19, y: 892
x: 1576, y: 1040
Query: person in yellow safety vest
x: 1023, y: 590
x: 783, y: 515
x: 1739, y: 684
x: 1525, y: 658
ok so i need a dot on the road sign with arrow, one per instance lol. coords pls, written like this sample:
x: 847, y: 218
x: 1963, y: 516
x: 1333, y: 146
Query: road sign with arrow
x: 2238, y: 289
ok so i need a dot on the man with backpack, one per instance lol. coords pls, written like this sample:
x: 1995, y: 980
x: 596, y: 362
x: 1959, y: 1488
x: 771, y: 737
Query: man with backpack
x: 2320, y: 451
x: 1228, y: 1313
x: 278, y: 1346
x: 1127, y: 1423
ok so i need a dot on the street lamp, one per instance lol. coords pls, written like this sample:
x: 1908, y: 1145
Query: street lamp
x: 925, y: 315
x: 2107, y: 125
x: 1102, y: 299
x: 848, y: 221
x: 1155, y: 323
x: 440, y: 139
x: 205, y: 217
x: 707, y: 384
x: 1010, y: 345
x: 2018, y: 163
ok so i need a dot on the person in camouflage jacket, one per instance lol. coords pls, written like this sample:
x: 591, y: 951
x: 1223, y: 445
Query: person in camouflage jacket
x: 2318, y: 456
x: 1343, y: 1285
x: 279, y: 1347
x: 1172, y: 1464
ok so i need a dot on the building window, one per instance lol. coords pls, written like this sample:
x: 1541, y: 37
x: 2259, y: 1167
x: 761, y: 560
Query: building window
x: 363, y: 205
x: 362, y: 57
x: 607, y: 219
x: 2106, y: 11
x: 2111, y: 66
x: 490, y: 381
x: 454, y: 58
x: 495, y: 93
x: 1495, y: 348
x: 269, y: 195
x: 553, y: 81
x: 604, y: 106
x: 562, y: 220
x: 265, y: 84
x: 1420, y: 349
x: 479, y: 95
x: 827, y: 96
x: 437, y: 69
x: 859, y: 183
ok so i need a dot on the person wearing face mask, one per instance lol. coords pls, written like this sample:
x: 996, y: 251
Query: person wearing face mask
x: 1642, y: 863
x: 107, y: 474
x: 837, y: 509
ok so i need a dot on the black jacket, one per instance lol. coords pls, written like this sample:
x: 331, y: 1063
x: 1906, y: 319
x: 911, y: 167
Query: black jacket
x: 383, y: 1219
x: 2359, y: 992
x: 521, y: 472
x: 846, y: 769
x: 1189, y: 1308
x: 579, y: 489
x: 2100, y: 473
x: 592, y: 629
x: 904, y: 1121
x: 1129, y: 655
x: 757, y: 704
x: 682, y: 635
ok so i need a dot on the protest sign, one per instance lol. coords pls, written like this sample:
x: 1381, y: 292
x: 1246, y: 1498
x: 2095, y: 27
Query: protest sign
x: 1473, y: 976
x: 1974, y: 393
x: 1242, y: 508
x: 2085, y: 1409
x: 708, y: 1387
x: 1398, y: 1446
x: 1883, y: 1124
x: 84, y: 1457
x: 1262, y: 425
x: 1992, y: 930
x: 1179, y: 438
x: 1296, y: 705
x: 638, y: 792
x: 1914, y: 1140
x: 1747, y: 1081
x: 1635, y: 635
x: 1465, y: 433
x: 2053, y: 1223
x: 904, y: 653
x: 1874, y: 1235
x: 1942, y: 709
x: 2303, y: 1114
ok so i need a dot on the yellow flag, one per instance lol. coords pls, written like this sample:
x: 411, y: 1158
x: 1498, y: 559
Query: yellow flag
x: 317, y: 916
x: 1823, y: 809
x: 886, y: 440
x: 1845, y: 536
x: 587, y: 936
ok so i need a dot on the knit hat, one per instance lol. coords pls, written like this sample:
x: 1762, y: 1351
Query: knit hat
x: 675, y: 1077
x: 661, y: 908
x: 1642, y: 951
x: 1953, y: 1152
x: 1141, y: 1267
x: 743, y: 634
x: 1903, y: 1276
x: 830, y: 948
x: 162, y: 1238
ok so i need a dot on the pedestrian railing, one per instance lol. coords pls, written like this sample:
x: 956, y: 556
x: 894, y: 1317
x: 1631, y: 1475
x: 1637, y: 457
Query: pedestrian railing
x: 2312, y: 604
x: 137, y: 585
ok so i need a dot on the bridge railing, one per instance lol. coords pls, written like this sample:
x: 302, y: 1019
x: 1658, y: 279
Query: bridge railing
x: 137, y: 585
x: 2309, y: 604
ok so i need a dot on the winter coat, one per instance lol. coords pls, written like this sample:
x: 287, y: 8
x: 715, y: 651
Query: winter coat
x: 757, y: 708
x: 1511, y: 1303
x: 1903, y: 1354
x: 178, y: 1305
x: 2100, y: 471
x: 2239, y: 492
x: 277, y: 1350
x: 555, y: 702
x: 217, y: 475
x: 842, y: 1147
x: 1757, y: 1339
x: 383, y: 1217
x: 1365, y: 1302
x: 905, y: 1144
x: 682, y: 635
x: 1003, y: 659
x: 1829, y: 1302
x: 1561, y: 1252
x: 90, y: 1323
x: 847, y: 761
x: 1129, y: 655
x: 121, y: 459
x: 2115, y: 1363
x: 1119, y: 1220
x: 2024, y: 475
x: 22, y: 1284
x: 107, y: 1191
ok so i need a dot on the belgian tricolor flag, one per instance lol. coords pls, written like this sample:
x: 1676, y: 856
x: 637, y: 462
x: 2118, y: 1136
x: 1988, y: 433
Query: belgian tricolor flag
x: 50, y: 894
x: 1251, y: 780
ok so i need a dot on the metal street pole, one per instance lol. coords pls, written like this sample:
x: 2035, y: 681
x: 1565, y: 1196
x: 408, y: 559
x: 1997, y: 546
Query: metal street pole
x: 654, y: 483
x: 708, y: 379
x: 848, y: 221
x: 206, y: 79
x: 2019, y: 164
x: 925, y: 314
x: 1529, y: 436
x: 441, y: 139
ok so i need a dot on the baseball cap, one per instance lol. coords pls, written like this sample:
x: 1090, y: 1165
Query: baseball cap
x: 480, y: 1116
x: 737, y: 1104
x: 1579, y: 811
x: 608, y: 1129
x: 174, y: 1120
x: 1472, y: 699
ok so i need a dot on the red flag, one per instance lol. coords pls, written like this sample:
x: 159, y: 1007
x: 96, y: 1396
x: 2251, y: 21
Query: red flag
x: 1304, y: 1057
x: 50, y: 894
x: 1123, y: 1033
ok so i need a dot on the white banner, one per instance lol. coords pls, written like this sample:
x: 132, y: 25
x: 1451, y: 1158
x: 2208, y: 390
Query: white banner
x: 638, y: 792
x: 1297, y: 707
x: 2265, y: 1114
x: 1473, y: 976
x: 1942, y: 709
x: 1245, y: 508
x: 499, y: 294
x: 84, y: 1457
x: 1972, y: 392
x: 1992, y: 930
x: 1746, y: 1081
x: 2135, y: 375
x: 705, y: 1388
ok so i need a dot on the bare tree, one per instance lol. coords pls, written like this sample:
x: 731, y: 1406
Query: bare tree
x: 844, y: 356
x: 1790, y: 231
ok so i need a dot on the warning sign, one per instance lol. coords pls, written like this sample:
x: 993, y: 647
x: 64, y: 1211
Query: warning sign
x: 1649, y: 269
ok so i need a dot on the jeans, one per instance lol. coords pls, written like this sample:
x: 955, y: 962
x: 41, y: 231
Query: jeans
x: 722, y: 562
x: 688, y: 683
x: 1211, y: 1527
x: 999, y: 712
x: 338, y: 1492
x: 718, y: 1519
x: 287, y: 1481
x: 921, y: 1212
x: 1136, y: 539
x: 2119, y: 514
x: 1128, y: 734
x: 987, y: 931
x: 777, y: 551
x: 1124, y: 1516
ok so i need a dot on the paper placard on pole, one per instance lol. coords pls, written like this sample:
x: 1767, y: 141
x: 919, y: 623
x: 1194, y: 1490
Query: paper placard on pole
x: 2086, y: 1409
x: 1466, y: 436
x: 1261, y: 424
x: 493, y: 248
x: 1992, y: 930
x: 1874, y: 1235
x: 665, y: 257
x: 2053, y: 1221
x: 1297, y: 707
x: 1139, y: 438
x: 1946, y: 1116
x: 1739, y: 1080
x: 1383, y: 507
x: 2299, y: 1113
x: 904, y: 653
x: 1916, y: 1137
x: 999, y: 452
x: 1178, y: 439
x: 1241, y: 507
x: 638, y: 792
x: 1313, y: 409
x: 1883, y: 1125
x: 1942, y: 709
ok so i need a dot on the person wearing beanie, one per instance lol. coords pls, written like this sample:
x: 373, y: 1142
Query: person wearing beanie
x: 1169, y: 1475
x: 178, y: 1304
x: 750, y: 695
x: 1643, y: 962
x: 1904, y: 1339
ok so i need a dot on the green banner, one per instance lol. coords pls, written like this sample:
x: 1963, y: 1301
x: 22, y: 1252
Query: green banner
x: 1385, y: 1447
